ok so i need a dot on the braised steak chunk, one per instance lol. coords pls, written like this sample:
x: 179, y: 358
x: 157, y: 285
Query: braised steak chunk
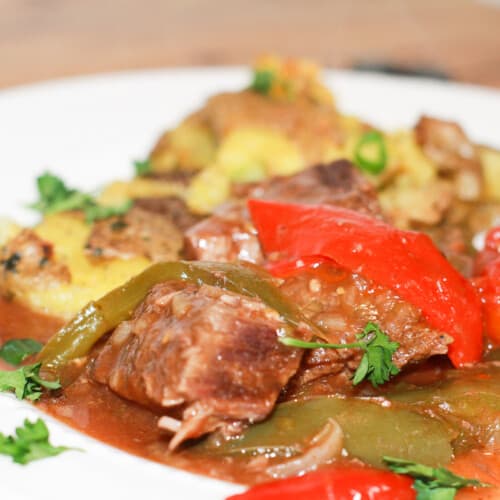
x: 138, y: 233
x: 210, y: 355
x: 228, y: 234
x: 338, y: 183
x: 455, y: 155
x: 342, y: 303
x: 171, y: 207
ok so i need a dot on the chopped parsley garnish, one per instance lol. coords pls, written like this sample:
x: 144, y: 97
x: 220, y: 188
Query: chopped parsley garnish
x: 370, y: 153
x: 97, y: 212
x: 431, y: 483
x: 55, y: 197
x: 25, y: 382
x: 15, y: 351
x: 31, y: 442
x: 142, y: 167
x: 376, y: 364
x: 262, y: 81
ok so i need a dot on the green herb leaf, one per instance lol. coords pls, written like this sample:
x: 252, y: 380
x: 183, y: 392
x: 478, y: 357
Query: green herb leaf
x: 376, y: 364
x: 75, y: 201
x: 96, y: 212
x: 431, y: 483
x: 16, y: 351
x: 31, y: 442
x: 291, y: 342
x: 262, y: 81
x: 52, y: 190
x: 25, y: 382
x: 142, y: 167
x: 55, y: 197
x: 366, y: 161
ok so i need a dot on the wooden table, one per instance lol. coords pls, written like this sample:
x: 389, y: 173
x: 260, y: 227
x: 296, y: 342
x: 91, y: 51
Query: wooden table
x: 42, y: 39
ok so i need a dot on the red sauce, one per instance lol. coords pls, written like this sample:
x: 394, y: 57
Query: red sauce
x: 94, y: 410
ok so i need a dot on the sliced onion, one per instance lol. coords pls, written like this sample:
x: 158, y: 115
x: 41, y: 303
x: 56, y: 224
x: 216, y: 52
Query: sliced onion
x: 169, y: 424
x: 325, y: 446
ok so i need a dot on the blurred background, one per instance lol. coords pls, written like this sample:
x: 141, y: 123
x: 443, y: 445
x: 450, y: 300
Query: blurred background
x: 43, y: 39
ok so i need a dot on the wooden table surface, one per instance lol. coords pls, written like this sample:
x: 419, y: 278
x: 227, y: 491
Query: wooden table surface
x: 43, y: 39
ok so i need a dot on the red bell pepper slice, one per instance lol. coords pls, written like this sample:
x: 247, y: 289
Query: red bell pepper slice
x: 335, y: 483
x: 488, y: 283
x: 407, y: 262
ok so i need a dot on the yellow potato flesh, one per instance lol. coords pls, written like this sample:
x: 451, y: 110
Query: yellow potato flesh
x: 89, y: 279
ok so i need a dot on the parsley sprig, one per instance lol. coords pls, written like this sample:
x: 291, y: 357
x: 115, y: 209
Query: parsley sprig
x: 55, y: 196
x: 431, y: 483
x: 376, y: 364
x: 15, y: 351
x: 142, y: 167
x: 30, y: 442
x: 25, y: 382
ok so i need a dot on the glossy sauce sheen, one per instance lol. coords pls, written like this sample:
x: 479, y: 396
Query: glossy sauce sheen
x: 93, y: 409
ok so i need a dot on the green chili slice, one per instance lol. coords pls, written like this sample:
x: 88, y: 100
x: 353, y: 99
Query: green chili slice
x: 77, y: 337
x: 371, y: 164
x: 262, y: 81
x: 370, y: 432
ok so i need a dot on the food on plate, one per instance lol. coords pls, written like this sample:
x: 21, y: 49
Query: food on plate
x: 281, y: 292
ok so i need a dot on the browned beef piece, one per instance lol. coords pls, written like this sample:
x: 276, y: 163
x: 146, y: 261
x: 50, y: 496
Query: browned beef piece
x: 343, y: 303
x: 338, y: 183
x: 228, y: 234
x: 206, y: 353
x: 172, y: 207
x: 454, y: 242
x: 455, y: 155
x: 27, y: 261
x: 138, y: 233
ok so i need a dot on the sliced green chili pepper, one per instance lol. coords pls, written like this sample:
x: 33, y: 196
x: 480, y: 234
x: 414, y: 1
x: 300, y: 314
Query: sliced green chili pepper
x: 262, y: 81
x: 367, y: 162
x: 467, y: 400
x: 370, y: 432
x: 76, y: 338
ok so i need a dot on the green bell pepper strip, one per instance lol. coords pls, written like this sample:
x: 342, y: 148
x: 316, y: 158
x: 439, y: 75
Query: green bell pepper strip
x: 468, y: 401
x: 77, y: 337
x: 370, y: 432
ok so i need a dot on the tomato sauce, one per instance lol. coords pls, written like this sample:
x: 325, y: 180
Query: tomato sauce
x: 96, y: 411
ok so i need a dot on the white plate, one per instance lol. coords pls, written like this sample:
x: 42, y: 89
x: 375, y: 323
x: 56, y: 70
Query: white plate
x: 89, y: 130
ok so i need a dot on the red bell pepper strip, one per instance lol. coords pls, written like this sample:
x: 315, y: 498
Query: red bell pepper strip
x: 407, y: 262
x: 488, y: 283
x: 334, y: 483
x: 490, y: 252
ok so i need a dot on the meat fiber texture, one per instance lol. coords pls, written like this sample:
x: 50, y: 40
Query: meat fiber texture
x: 229, y: 235
x: 207, y: 354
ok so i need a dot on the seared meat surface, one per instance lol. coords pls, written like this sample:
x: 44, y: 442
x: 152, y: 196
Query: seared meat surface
x: 27, y: 261
x: 338, y: 183
x: 343, y: 303
x: 210, y: 355
x: 455, y: 155
x: 311, y: 127
x: 138, y: 233
x: 171, y: 207
x: 228, y: 234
